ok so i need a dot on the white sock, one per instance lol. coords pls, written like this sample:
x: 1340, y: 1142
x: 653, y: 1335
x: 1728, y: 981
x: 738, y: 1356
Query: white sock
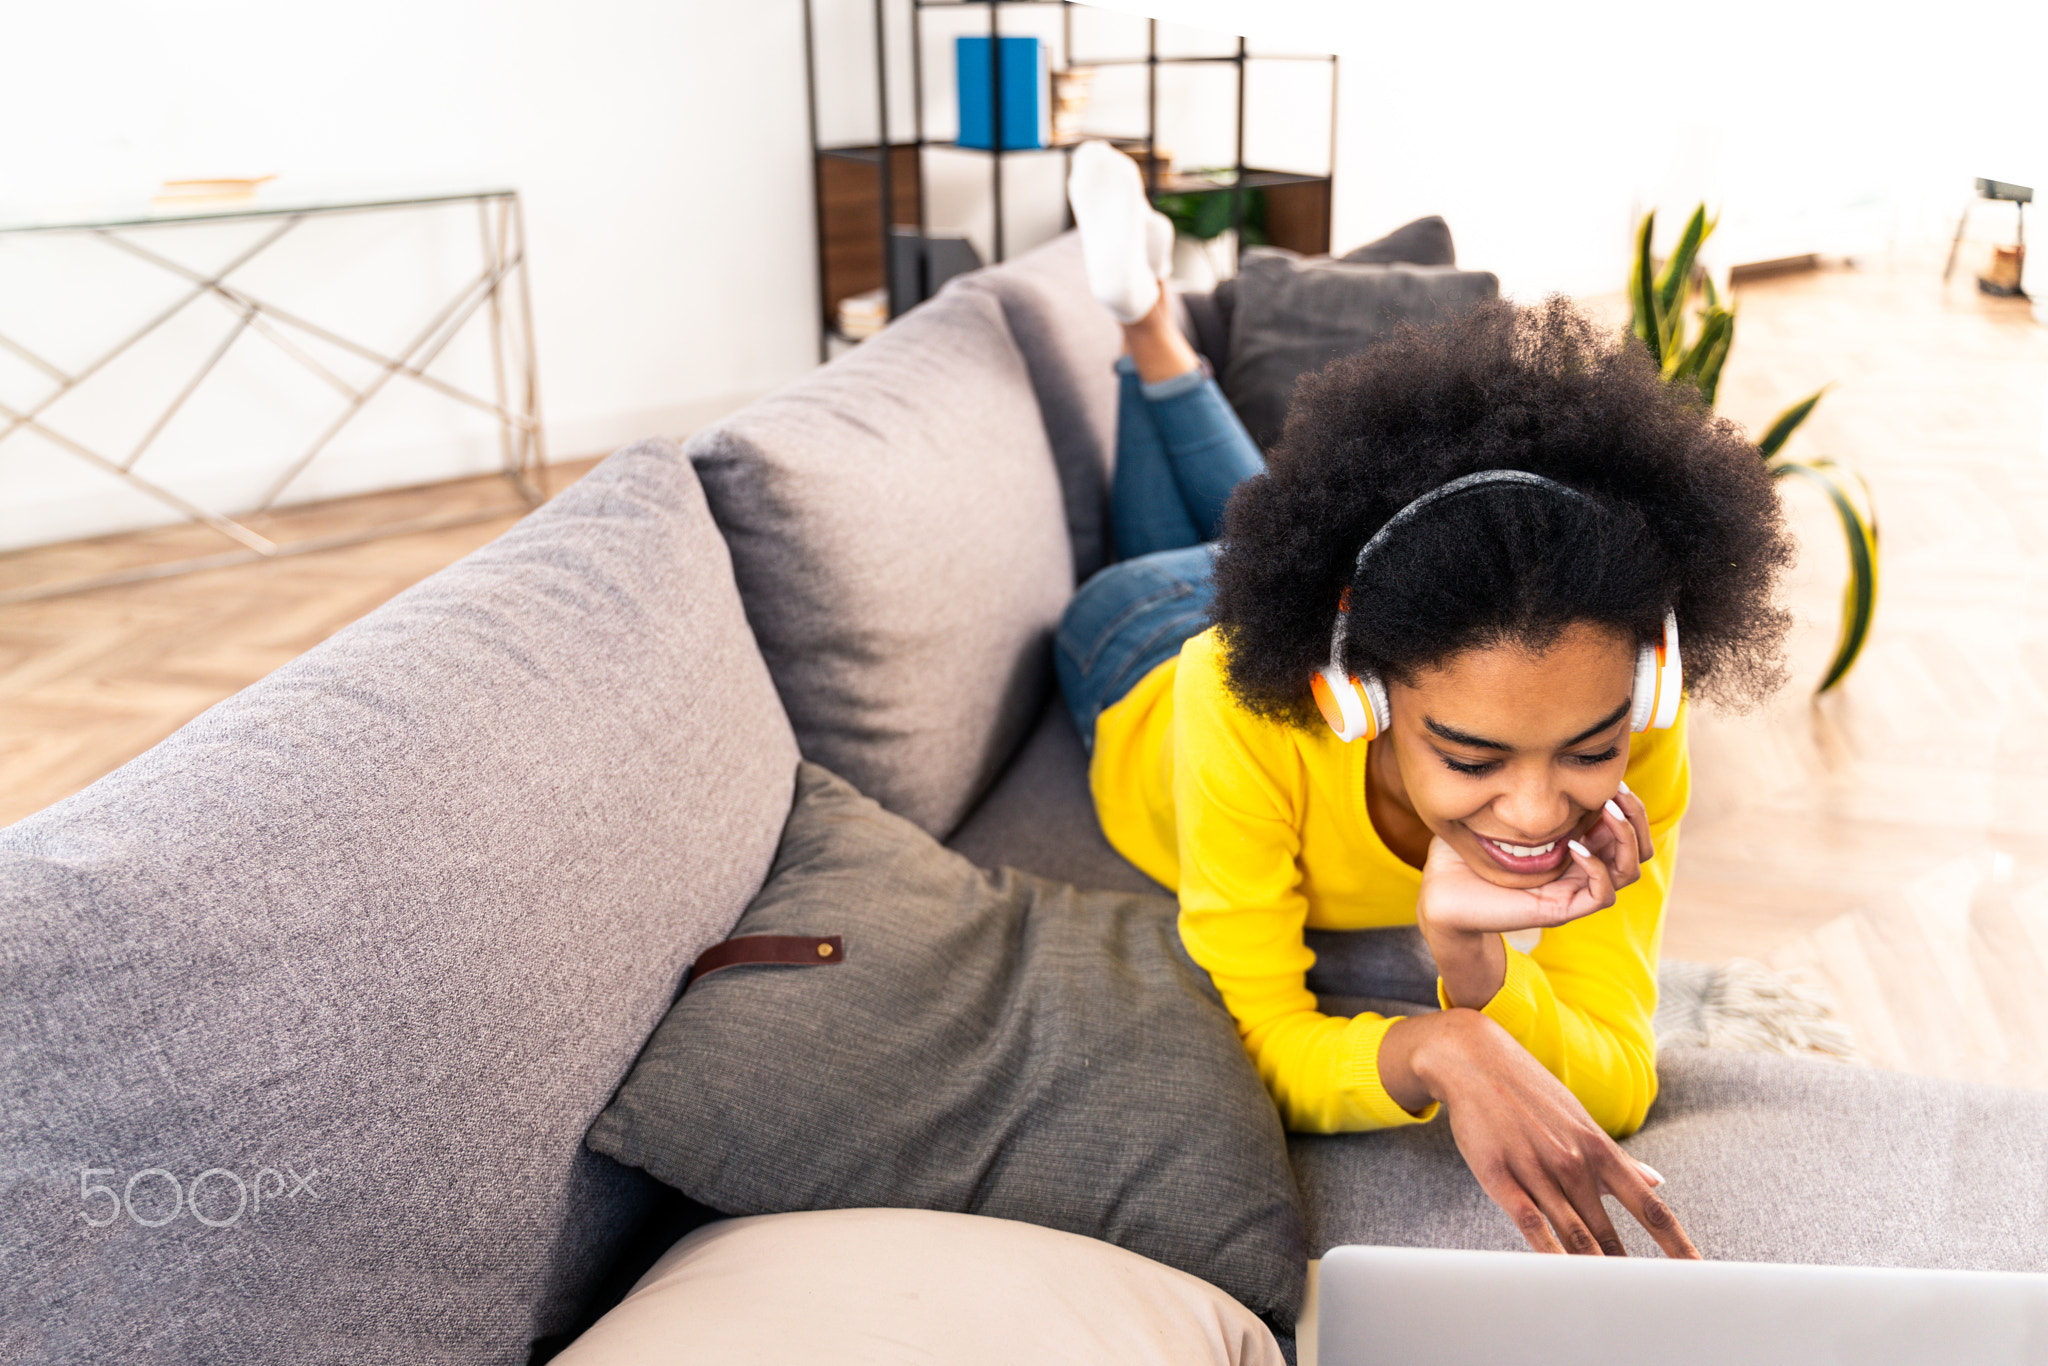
x: 1119, y: 241
x: 1159, y: 244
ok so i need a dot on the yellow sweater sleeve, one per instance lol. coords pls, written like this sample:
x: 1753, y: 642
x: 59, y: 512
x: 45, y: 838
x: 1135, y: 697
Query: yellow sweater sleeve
x: 1243, y: 912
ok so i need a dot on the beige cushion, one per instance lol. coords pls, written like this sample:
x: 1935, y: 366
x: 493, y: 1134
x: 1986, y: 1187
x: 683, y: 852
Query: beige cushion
x: 852, y: 1286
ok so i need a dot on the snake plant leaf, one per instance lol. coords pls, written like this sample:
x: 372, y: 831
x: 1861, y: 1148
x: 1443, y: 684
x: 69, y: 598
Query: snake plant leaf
x: 1710, y: 296
x: 1713, y: 328
x: 1642, y: 292
x: 1788, y: 422
x: 1671, y: 289
x: 1709, y: 378
x: 1859, y: 531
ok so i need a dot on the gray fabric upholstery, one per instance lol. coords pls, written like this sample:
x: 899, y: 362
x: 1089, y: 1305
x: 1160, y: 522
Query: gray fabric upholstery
x: 989, y: 1044
x: 1292, y: 316
x: 393, y: 921
x: 1039, y: 818
x: 897, y: 533
x: 1423, y: 242
x: 1070, y: 345
x: 1766, y: 1158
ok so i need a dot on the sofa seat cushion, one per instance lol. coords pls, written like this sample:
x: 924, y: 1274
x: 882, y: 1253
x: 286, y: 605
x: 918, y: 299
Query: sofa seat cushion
x: 979, y: 1043
x: 304, y: 1012
x: 1765, y: 1159
x: 876, y: 1287
x: 897, y: 531
x: 1291, y: 316
x: 1040, y: 818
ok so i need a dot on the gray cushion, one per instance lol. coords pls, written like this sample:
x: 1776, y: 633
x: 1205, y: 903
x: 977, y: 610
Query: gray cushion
x: 393, y: 920
x: 989, y: 1044
x: 1039, y: 817
x: 1070, y: 345
x: 1765, y: 1158
x: 897, y: 532
x: 1424, y: 242
x: 1292, y: 316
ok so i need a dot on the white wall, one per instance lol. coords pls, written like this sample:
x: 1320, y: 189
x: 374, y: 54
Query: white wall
x: 1541, y: 131
x: 661, y: 149
x: 663, y: 154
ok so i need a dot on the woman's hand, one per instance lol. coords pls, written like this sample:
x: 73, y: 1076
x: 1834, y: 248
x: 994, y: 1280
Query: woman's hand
x: 1529, y: 1142
x: 1462, y: 915
x: 1456, y: 899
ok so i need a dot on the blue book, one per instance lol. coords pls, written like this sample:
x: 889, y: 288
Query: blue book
x: 1027, y: 93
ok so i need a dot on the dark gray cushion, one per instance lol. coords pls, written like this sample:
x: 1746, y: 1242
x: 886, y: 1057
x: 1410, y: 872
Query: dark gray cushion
x: 393, y: 920
x: 1424, y: 242
x: 990, y: 1044
x: 1292, y: 316
x: 1766, y: 1158
x: 898, y: 534
x: 1070, y: 345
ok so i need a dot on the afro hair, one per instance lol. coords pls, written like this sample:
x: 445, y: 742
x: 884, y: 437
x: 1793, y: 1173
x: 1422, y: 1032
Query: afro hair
x: 1679, y: 513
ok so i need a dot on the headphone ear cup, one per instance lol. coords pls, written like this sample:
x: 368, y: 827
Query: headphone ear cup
x: 1338, y: 700
x: 1356, y: 708
x: 1660, y: 681
x: 1374, y: 692
x: 1670, y: 677
x: 1644, y: 705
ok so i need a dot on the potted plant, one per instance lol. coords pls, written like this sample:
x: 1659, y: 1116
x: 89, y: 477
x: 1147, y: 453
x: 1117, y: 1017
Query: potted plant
x: 1692, y: 351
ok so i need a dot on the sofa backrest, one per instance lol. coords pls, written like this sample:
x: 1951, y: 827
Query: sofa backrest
x: 899, y: 536
x: 304, y: 1013
x: 1070, y: 345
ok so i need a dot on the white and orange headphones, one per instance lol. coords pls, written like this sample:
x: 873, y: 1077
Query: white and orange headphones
x: 1356, y: 705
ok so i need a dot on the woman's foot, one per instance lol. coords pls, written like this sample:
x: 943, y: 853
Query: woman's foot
x: 1126, y: 244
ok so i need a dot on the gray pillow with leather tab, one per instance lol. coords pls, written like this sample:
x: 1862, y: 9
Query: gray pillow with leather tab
x: 985, y: 1043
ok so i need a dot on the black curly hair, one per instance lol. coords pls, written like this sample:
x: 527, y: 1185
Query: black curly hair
x: 1680, y: 513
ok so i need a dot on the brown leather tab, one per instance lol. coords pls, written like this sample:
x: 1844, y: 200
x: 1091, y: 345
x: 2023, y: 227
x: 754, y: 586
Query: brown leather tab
x: 784, y: 950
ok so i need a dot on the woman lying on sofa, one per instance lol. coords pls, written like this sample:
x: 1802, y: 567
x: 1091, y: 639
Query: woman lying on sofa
x: 1423, y: 670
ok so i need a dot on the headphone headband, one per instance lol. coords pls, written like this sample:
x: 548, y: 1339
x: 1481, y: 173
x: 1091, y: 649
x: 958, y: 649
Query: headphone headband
x: 1463, y: 483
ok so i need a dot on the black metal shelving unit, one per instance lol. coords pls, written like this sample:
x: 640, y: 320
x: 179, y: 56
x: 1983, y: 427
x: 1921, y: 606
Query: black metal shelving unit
x: 851, y: 183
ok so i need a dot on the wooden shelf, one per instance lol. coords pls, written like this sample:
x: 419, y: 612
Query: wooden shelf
x: 854, y: 231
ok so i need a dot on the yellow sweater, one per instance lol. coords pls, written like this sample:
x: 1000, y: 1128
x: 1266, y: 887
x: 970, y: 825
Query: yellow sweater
x: 1262, y: 829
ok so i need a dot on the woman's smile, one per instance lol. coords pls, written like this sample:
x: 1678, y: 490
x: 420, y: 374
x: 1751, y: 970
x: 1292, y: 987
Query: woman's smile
x: 1524, y: 858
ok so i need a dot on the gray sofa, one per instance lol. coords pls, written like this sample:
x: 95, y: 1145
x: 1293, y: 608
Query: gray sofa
x: 304, y: 1014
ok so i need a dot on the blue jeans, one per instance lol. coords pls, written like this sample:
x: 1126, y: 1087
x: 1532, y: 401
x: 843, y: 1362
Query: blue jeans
x: 1180, y: 451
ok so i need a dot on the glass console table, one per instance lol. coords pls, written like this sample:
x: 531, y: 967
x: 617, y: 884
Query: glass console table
x: 500, y: 285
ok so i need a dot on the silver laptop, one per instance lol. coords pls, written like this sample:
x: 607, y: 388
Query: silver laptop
x: 1404, y: 1305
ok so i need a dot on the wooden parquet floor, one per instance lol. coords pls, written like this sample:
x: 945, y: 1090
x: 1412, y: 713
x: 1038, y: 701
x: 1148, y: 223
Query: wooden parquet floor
x: 90, y: 680
x: 1890, y: 840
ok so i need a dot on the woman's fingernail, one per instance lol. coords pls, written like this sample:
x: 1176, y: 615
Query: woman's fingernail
x: 1649, y: 1172
x: 1624, y: 787
x: 1577, y: 848
x: 1614, y: 810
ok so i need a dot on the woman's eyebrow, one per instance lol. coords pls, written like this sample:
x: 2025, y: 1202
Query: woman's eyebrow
x: 1459, y: 737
